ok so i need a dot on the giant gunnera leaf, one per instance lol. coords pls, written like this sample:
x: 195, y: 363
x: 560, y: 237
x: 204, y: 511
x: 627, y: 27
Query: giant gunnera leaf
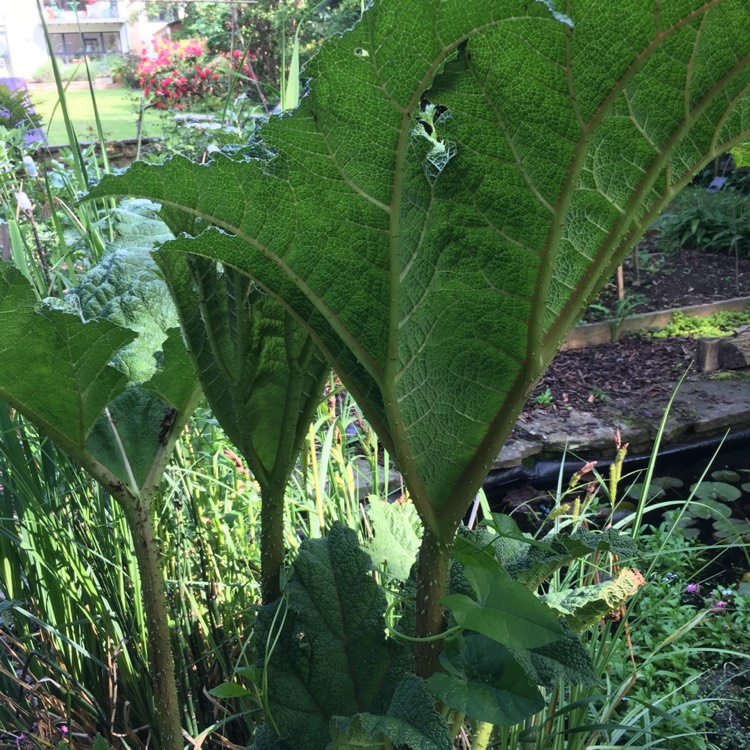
x: 126, y: 288
x: 54, y: 367
x: 458, y: 181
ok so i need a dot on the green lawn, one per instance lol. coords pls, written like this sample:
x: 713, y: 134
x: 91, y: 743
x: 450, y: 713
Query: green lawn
x: 117, y: 110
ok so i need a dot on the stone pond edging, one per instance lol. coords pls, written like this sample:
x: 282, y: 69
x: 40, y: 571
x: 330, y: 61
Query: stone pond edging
x: 701, y: 409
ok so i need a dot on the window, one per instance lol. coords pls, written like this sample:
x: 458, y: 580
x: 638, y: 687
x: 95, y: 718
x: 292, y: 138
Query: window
x: 95, y: 44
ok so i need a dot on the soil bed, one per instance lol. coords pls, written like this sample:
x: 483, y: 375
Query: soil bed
x: 637, y: 368
x: 666, y: 281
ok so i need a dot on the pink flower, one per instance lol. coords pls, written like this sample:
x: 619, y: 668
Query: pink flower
x: 693, y: 588
x: 719, y: 606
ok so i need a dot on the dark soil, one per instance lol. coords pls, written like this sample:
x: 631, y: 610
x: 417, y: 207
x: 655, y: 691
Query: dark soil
x: 640, y: 367
x: 666, y: 281
x: 636, y: 367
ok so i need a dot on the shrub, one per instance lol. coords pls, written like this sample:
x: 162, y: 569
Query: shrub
x: 714, y: 222
x: 125, y: 69
x: 185, y: 74
x: 69, y: 71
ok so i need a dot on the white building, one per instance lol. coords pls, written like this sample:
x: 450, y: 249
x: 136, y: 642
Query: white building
x: 96, y: 28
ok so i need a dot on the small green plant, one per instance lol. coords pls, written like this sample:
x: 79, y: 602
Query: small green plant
x: 718, y: 324
x: 621, y: 310
x: 599, y: 394
x: 545, y: 398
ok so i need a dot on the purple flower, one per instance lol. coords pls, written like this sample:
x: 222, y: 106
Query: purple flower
x: 20, y: 739
x: 719, y: 606
x: 63, y: 728
x: 693, y: 588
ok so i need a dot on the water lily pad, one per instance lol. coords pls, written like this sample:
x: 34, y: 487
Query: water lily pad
x: 725, y: 475
x: 716, y: 491
x: 668, y: 483
x: 636, y: 491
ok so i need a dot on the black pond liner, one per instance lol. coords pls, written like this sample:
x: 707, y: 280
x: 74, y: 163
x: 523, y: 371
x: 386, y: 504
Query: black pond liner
x: 686, y: 461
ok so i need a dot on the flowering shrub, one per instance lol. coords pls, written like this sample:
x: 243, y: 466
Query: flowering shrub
x: 184, y: 73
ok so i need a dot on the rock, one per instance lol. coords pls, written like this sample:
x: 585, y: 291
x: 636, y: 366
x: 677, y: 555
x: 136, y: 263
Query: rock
x: 700, y: 409
x: 515, y: 452
x: 715, y: 405
x: 364, y: 484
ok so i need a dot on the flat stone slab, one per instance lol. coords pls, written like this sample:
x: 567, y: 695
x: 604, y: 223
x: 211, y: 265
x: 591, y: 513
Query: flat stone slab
x: 701, y: 409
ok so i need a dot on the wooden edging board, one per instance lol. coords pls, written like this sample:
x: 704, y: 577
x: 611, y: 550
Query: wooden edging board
x: 607, y: 331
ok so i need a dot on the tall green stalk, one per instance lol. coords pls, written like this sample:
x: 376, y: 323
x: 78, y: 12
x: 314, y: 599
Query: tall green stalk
x: 139, y: 513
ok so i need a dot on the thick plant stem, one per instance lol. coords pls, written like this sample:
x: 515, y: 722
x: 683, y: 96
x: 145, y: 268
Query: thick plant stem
x: 271, y: 542
x: 141, y: 523
x: 432, y: 585
x: 482, y: 736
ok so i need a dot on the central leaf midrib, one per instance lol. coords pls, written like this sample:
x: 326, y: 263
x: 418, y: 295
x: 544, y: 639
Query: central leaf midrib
x: 388, y: 382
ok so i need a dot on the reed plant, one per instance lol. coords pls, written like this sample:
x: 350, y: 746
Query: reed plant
x: 73, y: 653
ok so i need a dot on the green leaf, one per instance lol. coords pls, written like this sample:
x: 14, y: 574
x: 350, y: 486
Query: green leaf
x: 566, y: 659
x: 584, y: 606
x: 59, y: 377
x: 483, y: 680
x: 136, y: 223
x: 741, y: 154
x: 259, y: 369
x: 396, y: 537
x: 504, y: 610
x: 229, y: 690
x: 126, y: 288
x: 708, y: 491
x: 174, y: 381
x: 101, y: 744
x: 411, y: 721
x: 441, y: 250
x: 138, y: 418
x: 725, y: 475
x: 534, y: 564
x: 332, y: 657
